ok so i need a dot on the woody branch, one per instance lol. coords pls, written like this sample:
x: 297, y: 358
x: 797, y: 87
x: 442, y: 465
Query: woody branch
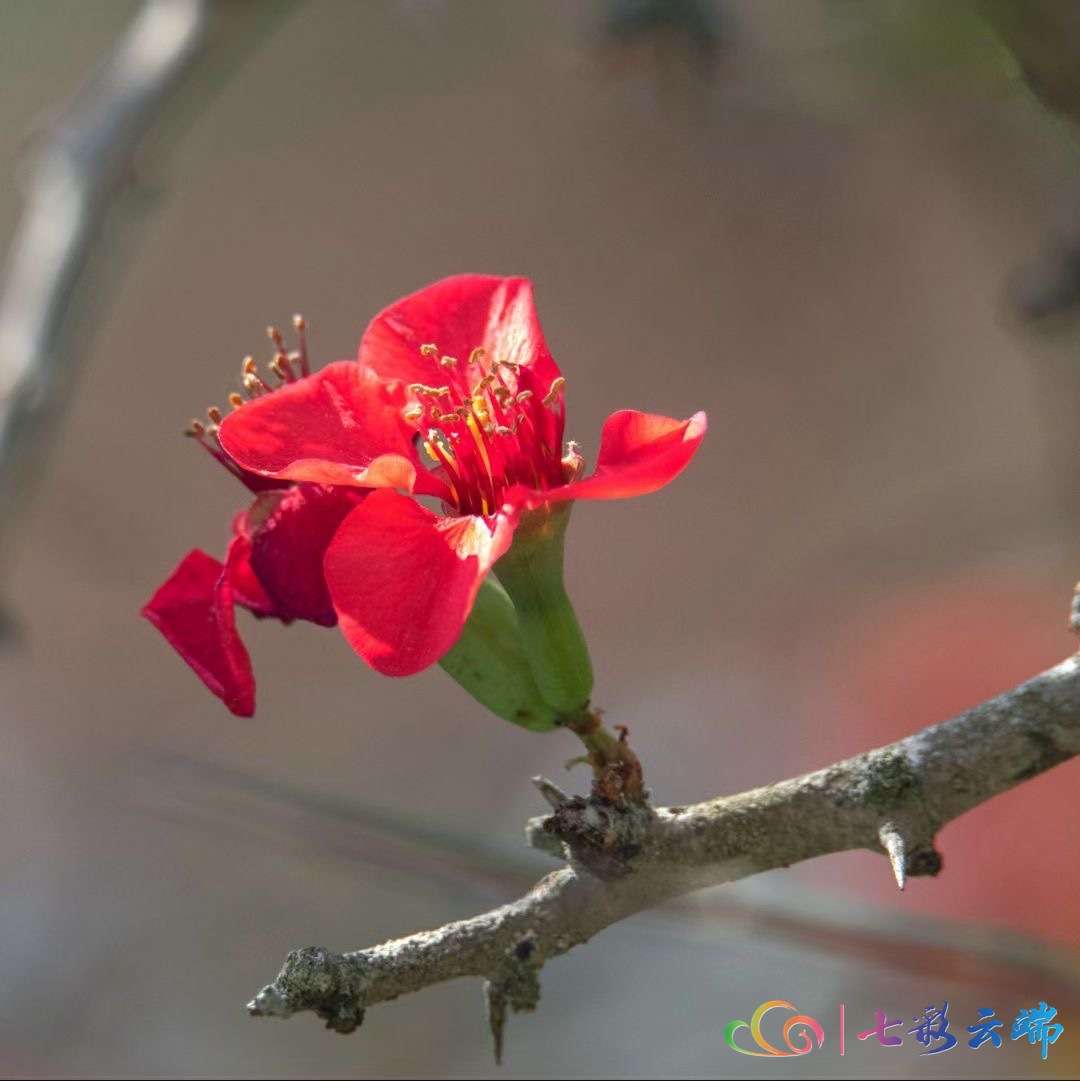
x: 622, y: 860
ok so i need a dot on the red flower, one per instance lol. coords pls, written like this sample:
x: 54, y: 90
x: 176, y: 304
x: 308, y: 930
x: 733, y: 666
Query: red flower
x: 463, y: 366
x: 274, y: 564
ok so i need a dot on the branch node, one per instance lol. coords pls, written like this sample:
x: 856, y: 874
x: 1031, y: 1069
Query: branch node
x: 537, y: 836
x: 602, y: 839
x: 926, y: 861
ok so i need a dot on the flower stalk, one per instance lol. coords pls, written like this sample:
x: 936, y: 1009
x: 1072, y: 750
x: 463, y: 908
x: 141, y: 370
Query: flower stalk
x: 617, y: 773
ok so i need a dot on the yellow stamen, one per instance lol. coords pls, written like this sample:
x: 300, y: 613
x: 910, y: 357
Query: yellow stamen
x: 480, y: 409
x: 478, y: 439
x: 445, y: 459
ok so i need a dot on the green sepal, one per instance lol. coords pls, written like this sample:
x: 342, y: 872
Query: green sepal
x: 490, y: 662
x: 532, y: 572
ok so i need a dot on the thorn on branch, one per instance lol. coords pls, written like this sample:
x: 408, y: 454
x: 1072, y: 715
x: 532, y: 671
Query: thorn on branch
x: 516, y: 983
x: 552, y: 793
x: 906, y: 857
x: 892, y: 840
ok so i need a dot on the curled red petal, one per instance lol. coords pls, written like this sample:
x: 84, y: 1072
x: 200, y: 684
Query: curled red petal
x: 248, y: 591
x: 458, y: 315
x: 337, y: 426
x: 404, y: 579
x: 639, y: 453
x: 288, y: 541
x: 193, y: 609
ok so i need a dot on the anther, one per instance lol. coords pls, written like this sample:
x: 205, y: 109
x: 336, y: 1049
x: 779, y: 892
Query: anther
x: 214, y: 414
x: 573, y: 464
x: 281, y: 368
x: 413, y: 413
x: 300, y: 325
x: 197, y: 430
x: 439, y: 440
x: 275, y: 336
x: 477, y: 355
x: 448, y: 362
x: 552, y: 395
x: 524, y: 396
x: 235, y: 400
x: 429, y: 350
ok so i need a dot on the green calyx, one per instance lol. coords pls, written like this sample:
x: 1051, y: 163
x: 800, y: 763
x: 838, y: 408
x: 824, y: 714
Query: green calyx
x: 521, y: 652
x: 490, y: 662
x: 532, y: 574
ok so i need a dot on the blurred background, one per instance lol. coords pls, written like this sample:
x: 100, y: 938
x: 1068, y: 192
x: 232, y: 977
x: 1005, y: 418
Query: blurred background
x: 849, y: 231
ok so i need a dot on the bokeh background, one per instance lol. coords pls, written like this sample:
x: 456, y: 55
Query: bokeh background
x: 847, y: 231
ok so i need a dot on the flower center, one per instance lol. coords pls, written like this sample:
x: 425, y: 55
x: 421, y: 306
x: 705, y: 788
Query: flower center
x: 489, y: 428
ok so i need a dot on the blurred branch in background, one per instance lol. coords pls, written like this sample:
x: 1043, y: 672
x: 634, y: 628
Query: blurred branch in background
x: 1042, y: 37
x: 624, y: 860
x: 75, y: 173
x: 670, y: 37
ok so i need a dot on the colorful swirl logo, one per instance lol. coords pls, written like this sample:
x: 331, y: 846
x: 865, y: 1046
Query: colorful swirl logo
x: 792, y: 1023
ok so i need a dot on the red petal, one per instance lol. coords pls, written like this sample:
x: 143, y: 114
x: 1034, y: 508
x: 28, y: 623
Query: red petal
x: 338, y: 426
x: 404, y: 580
x: 288, y: 544
x: 247, y: 590
x: 639, y: 453
x: 457, y: 315
x: 193, y: 609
